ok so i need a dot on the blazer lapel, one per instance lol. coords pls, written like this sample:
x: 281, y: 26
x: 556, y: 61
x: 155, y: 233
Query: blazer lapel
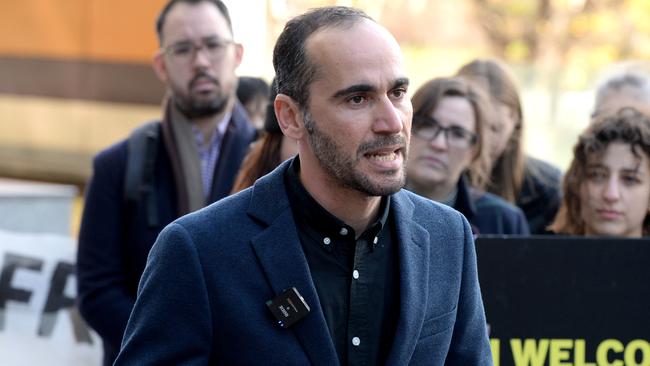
x: 413, y: 251
x: 284, y: 264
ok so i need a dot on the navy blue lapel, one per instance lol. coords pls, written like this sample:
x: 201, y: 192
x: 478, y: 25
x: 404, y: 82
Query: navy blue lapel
x: 234, y: 146
x: 284, y: 264
x: 413, y: 251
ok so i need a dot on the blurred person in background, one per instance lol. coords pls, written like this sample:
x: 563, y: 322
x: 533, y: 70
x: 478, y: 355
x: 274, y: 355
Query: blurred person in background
x: 272, y: 148
x: 531, y: 184
x: 192, y: 156
x: 607, y: 186
x: 253, y: 94
x: 626, y: 88
x: 448, y: 162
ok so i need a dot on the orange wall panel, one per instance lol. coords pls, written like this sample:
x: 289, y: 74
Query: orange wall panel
x: 106, y: 30
x: 124, y: 30
x: 42, y: 27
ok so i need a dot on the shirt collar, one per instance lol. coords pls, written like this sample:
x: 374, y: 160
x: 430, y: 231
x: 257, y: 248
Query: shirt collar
x: 220, y: 130
x: 317, y: 217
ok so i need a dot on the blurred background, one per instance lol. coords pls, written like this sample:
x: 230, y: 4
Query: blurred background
x: 75, y: 75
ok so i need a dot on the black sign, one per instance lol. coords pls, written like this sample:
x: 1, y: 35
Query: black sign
x: 566, y: 301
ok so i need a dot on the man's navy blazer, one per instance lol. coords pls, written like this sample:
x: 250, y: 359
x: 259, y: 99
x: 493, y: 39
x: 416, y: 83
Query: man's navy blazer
x: 202, y: 296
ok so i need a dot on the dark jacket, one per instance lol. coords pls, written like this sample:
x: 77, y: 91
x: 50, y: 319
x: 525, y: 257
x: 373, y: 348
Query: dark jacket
x: 540, y: 195
x: 489, y: 213
x: 115, y: 239
x: 202, y: 297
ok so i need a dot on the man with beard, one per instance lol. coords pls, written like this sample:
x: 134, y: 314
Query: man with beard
x: 192, y: 157
x: 326, y: 260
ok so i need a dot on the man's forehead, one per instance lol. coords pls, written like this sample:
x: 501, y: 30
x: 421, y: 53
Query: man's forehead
x: 195, y: 20
x: 363, y: 53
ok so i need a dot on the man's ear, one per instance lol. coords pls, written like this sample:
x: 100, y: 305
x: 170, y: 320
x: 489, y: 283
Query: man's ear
x: 289, y: 116
x: 159, y: 67
x: 239, y: 53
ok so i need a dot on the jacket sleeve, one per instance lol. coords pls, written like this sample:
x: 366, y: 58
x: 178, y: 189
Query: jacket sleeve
x: 171, y: 322
x: 469, y: 344
x: 104, y: 300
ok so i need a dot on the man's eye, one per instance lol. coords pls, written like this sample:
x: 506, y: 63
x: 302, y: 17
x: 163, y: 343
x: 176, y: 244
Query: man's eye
x: 357, y: 99
x: 399, y: 93
x: 182, y: 50
x: 212, y: 45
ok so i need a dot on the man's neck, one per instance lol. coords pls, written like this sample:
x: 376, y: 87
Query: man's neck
x: 349, y: 205
x: 208, y: 125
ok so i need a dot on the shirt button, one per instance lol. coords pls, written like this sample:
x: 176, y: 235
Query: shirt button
x: 375, y: 240
x: 344, y: 231
x: 327, y: 241
x: 356, y: 341
x: 355, y: 274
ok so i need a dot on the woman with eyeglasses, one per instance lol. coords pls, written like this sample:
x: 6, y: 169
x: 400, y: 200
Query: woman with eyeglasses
x: 531, y: 184
x: 607, y: 186
x: 447, y: 162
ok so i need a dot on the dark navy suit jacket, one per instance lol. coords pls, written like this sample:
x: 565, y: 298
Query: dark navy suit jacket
x: 115, y: 238
x: 488, y: 213
x: 202, y: 296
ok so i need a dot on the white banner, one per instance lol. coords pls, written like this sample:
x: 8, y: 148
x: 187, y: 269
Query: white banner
x: 39, y: 324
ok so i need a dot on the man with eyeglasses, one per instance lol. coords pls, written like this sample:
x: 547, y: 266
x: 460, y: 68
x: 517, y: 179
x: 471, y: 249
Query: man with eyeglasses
x: 448, y: 160
x: 191, y: 158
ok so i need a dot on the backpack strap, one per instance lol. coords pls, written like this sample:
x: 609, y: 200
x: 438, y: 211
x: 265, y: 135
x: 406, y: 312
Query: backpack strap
x: 142, y: 150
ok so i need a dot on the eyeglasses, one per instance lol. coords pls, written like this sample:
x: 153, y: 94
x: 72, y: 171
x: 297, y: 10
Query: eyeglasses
x: 428, y: 129
x: 186, y: 51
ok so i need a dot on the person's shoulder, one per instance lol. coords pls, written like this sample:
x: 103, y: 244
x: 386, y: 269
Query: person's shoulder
x: 543, y: 172
x: 243, y: 126
x: 116, y: 152
x: 425, y: 208
x: 486, y: 201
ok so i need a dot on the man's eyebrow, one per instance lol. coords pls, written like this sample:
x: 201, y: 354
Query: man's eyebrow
x: 354, y: 89
x: 364, y: 88
x: 400, y: 82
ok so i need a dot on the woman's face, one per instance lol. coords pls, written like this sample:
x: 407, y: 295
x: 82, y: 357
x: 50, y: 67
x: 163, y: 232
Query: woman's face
x: 615, y: 195
x: 500, y: 129
x: 439, y: 161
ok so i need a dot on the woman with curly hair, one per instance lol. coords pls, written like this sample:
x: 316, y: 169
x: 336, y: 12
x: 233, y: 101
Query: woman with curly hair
x: 607, y: 186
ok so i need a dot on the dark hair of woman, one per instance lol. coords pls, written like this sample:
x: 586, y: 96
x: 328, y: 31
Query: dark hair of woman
x: 628, y: 126
x: 426, y: 100
x: 508, y: 169
x: 264, y: 155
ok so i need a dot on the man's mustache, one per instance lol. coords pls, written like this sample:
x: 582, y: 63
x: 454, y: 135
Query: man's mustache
x: 202, y: 75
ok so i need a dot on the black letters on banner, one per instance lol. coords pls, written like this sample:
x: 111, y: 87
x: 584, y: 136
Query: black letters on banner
x: 566, y: 301
x: 56, y: 301
x: 12, y: 262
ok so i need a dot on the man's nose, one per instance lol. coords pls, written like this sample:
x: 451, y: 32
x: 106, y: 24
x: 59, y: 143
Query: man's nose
x: 201, y: 59
x: 389, y: 118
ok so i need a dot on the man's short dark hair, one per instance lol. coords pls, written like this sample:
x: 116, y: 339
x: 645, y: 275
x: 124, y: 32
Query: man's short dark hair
x: 294, y: 72
x: 162, y: 17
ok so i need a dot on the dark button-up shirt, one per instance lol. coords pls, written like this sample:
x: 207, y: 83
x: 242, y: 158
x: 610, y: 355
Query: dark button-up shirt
x: 356, y: 276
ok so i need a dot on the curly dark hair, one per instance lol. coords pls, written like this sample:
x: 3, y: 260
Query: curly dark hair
x: 627, y: 125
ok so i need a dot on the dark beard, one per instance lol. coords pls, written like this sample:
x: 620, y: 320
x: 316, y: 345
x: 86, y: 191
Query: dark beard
x: 343, y: 168
x: 193, y: 108
x: 197, y: 109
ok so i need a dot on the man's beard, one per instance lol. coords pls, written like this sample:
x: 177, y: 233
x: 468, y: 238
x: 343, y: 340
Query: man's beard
x: 344, y: 169
x: 195, y: 108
